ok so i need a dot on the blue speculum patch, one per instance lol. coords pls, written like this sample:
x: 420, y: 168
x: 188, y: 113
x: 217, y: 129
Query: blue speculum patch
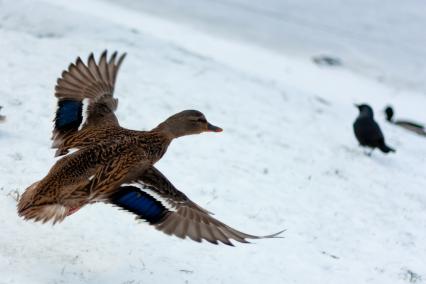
x: 69, y: 115
x: 140, y: 203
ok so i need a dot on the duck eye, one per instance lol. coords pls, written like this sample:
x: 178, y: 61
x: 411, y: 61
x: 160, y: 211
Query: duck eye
x: 203, y: 120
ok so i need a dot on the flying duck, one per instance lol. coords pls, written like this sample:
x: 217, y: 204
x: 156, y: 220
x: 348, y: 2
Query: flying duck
x: 115, y: 165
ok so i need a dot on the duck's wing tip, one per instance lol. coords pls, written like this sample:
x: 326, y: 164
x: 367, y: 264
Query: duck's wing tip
x: 245, y: 237
x: 276, y: 235
x: 154, y: 199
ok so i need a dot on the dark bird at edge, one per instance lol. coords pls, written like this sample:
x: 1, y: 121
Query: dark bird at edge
x: 409, y: 125
x: 2, y: 117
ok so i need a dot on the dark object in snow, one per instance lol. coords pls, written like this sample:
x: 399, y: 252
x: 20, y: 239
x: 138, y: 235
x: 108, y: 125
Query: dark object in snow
x: 115, y: 165
x: 409, y: 125
x: 325, y: 60
x: 411, y: 276
x: 2, y: 117
x: 368, y: 132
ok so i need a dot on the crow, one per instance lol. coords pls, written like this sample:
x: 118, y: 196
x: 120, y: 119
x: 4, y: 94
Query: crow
x: 368, y: 132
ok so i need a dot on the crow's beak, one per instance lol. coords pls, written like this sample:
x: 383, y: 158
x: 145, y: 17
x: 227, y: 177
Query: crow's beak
x: 356, y: 105
x: 212, y: 128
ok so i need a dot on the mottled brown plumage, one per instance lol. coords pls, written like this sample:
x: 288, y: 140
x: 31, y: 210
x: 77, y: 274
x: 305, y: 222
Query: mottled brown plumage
x: 115, y: 165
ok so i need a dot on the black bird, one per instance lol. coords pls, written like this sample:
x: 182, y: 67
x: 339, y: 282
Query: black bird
x: 368, y: 132
x: 409, y: 125
x: 2, y: 117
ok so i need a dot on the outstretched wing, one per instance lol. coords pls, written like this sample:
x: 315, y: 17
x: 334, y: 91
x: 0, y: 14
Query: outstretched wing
x: 154, y: 199
x: 91, y: 84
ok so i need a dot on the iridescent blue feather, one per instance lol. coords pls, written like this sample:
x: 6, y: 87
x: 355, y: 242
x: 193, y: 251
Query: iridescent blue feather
x: 140, y: 203
x: 69, y: 115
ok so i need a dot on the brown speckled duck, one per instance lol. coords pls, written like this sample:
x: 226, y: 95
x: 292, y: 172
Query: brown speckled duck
x: 114, y: 165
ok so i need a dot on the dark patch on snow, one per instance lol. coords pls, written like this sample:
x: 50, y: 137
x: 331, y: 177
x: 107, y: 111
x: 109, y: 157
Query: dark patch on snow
x: 175, y: 60
x: 330, y: 255
x: 14, y: 194
x: 192, y: 54
x: 134, y: 31
x: 47, y: 35
x: 322, y: 100
x: 410, y: 276
x: 326, y: 60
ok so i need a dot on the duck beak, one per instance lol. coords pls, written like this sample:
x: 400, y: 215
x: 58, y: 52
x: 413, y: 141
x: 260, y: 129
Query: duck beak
x: 212, y: 128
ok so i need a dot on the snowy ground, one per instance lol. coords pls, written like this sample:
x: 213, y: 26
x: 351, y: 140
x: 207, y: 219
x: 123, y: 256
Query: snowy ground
x: 287, y: 158
x: 383, y: 40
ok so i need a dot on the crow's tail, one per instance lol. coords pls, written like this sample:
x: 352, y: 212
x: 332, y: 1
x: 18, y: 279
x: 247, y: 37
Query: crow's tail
x: 385, y: 148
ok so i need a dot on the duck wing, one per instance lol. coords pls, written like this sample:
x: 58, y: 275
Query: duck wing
x: 153, y: 198
x: 90, y: 85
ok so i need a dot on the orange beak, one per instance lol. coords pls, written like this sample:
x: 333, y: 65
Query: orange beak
x: 212, y: 128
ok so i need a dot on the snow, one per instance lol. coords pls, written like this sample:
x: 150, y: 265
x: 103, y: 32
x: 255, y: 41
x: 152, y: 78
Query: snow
x: 287, y: 157
x: 382, y: 40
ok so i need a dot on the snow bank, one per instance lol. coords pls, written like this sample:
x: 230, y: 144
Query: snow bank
x: 287, y: 158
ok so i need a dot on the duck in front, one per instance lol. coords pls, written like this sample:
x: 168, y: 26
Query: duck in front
x: 115, y: 165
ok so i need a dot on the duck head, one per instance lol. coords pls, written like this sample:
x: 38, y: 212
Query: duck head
x: 365, y: 110
x: 389, y: 113
x: 187, y: 122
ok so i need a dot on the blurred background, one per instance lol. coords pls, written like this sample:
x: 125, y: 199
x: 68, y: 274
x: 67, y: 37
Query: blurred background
x: 382, y: 40
x: 281, y: 78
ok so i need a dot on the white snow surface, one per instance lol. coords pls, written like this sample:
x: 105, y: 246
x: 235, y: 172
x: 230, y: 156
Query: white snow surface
x: 287, y: 158
x: 382, y: 40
